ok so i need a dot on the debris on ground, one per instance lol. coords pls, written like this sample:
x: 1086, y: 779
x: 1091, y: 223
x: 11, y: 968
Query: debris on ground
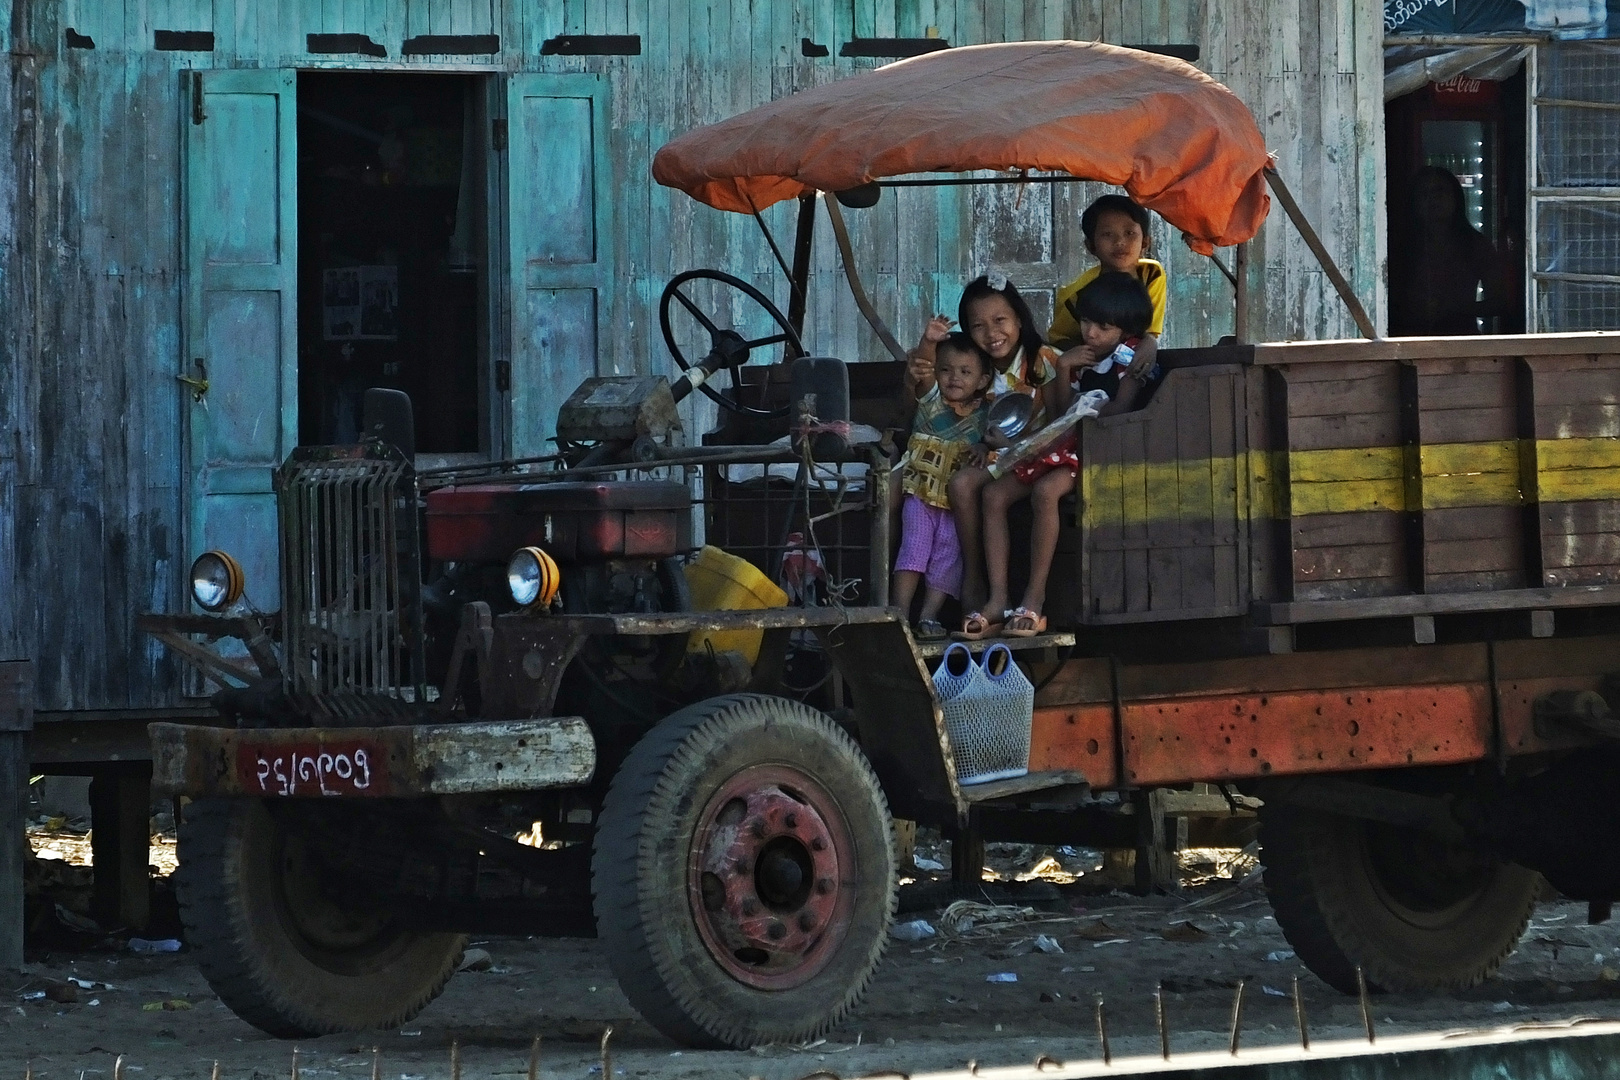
x: 476, y: 960
x: 915, y: 930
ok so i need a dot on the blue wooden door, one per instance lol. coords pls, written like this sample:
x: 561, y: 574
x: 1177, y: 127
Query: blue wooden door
x: 240, y: 317
x: 561, y: 272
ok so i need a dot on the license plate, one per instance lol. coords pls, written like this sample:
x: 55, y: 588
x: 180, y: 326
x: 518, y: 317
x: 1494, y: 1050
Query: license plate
x: 312, y: 770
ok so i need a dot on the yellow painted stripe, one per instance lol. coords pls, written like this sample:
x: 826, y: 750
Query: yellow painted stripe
x: 1470, y: 474
x: 1342, y: 466
x: 1578, y: 454
x: 1351, y: 480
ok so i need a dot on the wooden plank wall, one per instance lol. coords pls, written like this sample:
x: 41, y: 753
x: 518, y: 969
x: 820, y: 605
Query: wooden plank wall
x: 1572, y: 404
x: 1346, y: 492
x: 1164, y: 504
x: 91, y: 460
x: 1440, y: 472
x: 1472, y: 518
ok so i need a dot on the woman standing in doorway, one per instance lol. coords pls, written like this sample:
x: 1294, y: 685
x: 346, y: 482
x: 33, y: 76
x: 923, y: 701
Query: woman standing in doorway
x: 1440, y: 264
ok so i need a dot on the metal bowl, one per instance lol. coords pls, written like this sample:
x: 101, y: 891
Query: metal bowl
x: 1010, y: 415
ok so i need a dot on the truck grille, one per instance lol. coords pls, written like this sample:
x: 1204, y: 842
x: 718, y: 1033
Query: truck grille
x: 350, y: 582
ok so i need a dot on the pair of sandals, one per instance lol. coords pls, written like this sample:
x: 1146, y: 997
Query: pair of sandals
x: 1020, y: 622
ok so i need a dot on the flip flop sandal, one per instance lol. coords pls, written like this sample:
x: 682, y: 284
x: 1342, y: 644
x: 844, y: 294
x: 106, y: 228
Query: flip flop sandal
x: 931, y: 630
x: 1036, y: 624
x: 986, y: 628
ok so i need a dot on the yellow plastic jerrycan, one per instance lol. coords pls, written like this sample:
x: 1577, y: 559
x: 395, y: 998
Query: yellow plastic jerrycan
x: 720, y: 581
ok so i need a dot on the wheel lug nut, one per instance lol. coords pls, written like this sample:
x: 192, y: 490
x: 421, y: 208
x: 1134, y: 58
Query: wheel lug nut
x: 791, y: 821
x: 818, y: 844
x: 806, y: 923
x: 824, y: 886
x: 777, y: 931
x: 750, y: 907
x: 757, y: 827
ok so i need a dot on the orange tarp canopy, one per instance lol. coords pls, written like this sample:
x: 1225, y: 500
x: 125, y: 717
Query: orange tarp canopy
x: 1179, y: 142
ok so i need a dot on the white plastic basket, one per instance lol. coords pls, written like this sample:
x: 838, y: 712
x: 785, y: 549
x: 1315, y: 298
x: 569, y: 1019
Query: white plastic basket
x: 988, y: 709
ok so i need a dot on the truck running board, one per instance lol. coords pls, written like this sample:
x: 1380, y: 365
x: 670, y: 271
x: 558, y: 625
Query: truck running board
x: 403, y: 760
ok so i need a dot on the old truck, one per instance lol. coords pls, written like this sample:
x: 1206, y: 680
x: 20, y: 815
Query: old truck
x: 1372, y: 585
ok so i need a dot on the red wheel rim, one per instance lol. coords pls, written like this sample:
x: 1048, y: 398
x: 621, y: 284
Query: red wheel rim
x: 770, y: 876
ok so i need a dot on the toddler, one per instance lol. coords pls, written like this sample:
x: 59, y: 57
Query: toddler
x: 944, y: 436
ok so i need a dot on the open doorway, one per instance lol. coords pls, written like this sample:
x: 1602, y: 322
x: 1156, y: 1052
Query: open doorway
x: 391, y: 253
x: 1460, y: 144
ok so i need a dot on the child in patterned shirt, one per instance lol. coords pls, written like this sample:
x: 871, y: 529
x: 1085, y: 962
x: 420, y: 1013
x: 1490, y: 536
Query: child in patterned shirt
x: 945, y: 436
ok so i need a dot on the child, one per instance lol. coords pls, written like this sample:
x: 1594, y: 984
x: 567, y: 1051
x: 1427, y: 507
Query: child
x: 1116, y: 232
x: 998, y: 320
x: 948, y: 426
x: 1114, y: 313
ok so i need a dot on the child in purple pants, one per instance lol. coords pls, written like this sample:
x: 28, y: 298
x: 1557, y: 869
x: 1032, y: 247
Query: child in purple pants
x: 944, y: 436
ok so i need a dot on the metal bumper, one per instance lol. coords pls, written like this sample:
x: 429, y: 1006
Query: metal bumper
x: 372, y: 762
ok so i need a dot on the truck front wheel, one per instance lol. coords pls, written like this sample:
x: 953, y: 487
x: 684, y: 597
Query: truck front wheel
x: 744, y: 873
x: 1412, y: 911
x: 276, y: 947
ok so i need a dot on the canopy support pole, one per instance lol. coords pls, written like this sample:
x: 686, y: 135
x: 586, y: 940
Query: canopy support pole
x: 1240, y: 314
x: 862, y: 301
x: 1312, y: 241
x: 799, y: 277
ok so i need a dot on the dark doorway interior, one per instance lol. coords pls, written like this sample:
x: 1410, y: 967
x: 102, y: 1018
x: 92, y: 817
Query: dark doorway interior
x: 390, y: 253
x: 1475, y: 130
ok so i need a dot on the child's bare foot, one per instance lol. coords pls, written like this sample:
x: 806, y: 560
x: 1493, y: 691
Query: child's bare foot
x: 1024, y: 623
x: 977, y: 627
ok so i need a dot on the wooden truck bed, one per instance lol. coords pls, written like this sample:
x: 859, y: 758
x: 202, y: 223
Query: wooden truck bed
x: 1318, y: 481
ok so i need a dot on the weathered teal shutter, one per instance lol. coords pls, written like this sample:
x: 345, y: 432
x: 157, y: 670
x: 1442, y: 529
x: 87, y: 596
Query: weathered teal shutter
x: 558, y: 179
x: 240, y: 317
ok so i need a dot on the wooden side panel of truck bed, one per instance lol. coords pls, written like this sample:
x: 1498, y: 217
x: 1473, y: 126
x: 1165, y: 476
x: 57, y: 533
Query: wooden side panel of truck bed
x: 1340, y: 480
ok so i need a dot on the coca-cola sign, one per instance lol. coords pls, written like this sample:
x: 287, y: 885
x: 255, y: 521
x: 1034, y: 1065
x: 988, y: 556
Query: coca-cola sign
x: 1463, y: 90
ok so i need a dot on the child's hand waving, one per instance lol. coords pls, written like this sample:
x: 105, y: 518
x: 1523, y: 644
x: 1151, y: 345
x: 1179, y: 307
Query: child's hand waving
x: 938, y: 329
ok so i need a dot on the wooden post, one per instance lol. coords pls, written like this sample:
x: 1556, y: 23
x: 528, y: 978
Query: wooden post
x: 799, y: 278
x: 1240, y: 313
x: 16, y: 720
x: 1314, y: 242
x: 120, y: 845
x: 1156, y: 866
x: 967, y: 861
x: 879, y: 528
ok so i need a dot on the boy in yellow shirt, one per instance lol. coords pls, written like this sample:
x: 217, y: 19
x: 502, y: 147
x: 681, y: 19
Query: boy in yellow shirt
x: 1116, y: 231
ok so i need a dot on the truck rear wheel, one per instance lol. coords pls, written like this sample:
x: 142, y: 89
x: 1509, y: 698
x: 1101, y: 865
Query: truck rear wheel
x: 275, y: 947
x: 744, y: 873
x: 1414, y: 912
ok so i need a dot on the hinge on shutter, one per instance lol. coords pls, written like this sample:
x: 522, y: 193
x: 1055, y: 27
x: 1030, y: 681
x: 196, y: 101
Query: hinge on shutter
x: 497, y: 134
x: 197, y: 114
x: 503, y: 376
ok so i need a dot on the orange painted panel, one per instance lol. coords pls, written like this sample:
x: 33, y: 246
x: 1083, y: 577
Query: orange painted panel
x: 1075, y: 737
x: 1244, y: 735
x: 1516, y: 707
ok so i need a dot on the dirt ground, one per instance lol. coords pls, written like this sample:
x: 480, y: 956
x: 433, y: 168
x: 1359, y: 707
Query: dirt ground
x: 930, y: 1006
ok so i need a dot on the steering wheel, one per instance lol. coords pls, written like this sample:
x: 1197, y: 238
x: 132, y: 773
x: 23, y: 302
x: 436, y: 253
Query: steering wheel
x: 727, y: 348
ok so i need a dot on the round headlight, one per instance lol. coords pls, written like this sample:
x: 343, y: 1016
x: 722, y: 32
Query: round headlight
x: 533, y: 577
x: 216, y: 580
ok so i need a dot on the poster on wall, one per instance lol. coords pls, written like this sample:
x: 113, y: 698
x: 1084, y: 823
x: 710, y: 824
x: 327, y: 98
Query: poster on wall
x: 1563, y: 19
x: 360, y: 303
